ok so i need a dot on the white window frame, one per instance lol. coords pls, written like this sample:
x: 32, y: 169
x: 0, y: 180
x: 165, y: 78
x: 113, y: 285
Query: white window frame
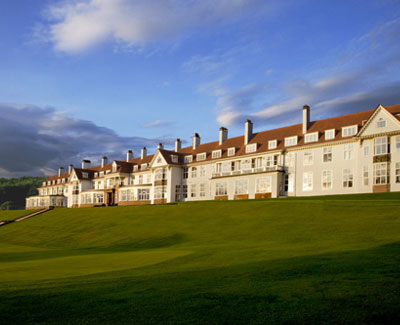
x: 231, y: 151
x: 381, y: 147
x: 202, y: 192
x: 311, y: 137
x: 216, y: 154
x: 327, y: 179
x: 349, y: 131
x: 308, y: 158
x: 381, y: 123
x: 272, y: 144
x: 348, y: 178
x: 365, y: 175
x: 398, y: 143
x: 381, y: 173
x: 201, y: 156
x: 174, y: 159
x: 221, y: 189
x: 308, y: 181
x: 193, y: 172
x: 252, y: 147
x: 330, y: 134
x: 188, y: 159
x: 263, y: 184
x: 327, y: 155
x: 348, y: 150
x: 397, y: 172
x: 193, y: 190
x: 241, y: 186
x: 291, y: 141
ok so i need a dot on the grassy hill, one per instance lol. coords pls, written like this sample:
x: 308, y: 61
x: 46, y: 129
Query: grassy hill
x: 312, y: 260
x: 15, y: 190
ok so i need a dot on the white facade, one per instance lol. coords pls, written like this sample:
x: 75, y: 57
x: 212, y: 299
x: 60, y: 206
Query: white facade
x: 356, y: 153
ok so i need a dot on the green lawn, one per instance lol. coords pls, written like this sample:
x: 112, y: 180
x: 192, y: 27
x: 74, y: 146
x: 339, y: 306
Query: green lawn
x: 13, y: 214
x: 297, y: 260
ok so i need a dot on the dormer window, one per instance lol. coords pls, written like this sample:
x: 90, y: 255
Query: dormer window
x: 85, y: 175
x: 114, y: 167
x: 272, y: 144
x: 251, y: 148
x: 201, y: 156
x: 101, y: 174
x: 311, y: 137
x: 63, y: 180
x: 96, y: 175
x: 44, y: 184
x: 58, y: 181
x: 135, y: 168
x: 216, y: 154
x: 381, y: 123
x: 349, y: 131
x: 108, y: 171
x: 291, y: 141
x: 143, y: 166
x: 231, y: 151
x: 174, y: 159
x: 330, y: 134
x: 188, y: 159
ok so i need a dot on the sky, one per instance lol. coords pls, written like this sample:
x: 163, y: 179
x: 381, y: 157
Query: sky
x: 81, y: 79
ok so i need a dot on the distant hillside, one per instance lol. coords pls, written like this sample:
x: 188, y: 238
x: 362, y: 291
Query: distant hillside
x: 15, y: 190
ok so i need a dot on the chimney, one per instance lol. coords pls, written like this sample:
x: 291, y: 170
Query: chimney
x: 160, y: 146
x: 85, y: 164
x: 196, y: 141
x: 178, y: 144
x: 129, y: 155
x: 104, y: 161
x: 248, y: 131
x: 223, y: 134
x: 306, y: 118
x: 143, y: 152
x: 60, y: 171
x: 70, y: 167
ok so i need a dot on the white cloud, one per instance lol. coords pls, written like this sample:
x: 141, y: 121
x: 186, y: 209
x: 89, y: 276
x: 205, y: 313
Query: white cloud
x: 157, y: 123
x: 81, y: 24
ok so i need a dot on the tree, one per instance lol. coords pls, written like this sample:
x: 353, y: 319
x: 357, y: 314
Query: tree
x: 8, y: 205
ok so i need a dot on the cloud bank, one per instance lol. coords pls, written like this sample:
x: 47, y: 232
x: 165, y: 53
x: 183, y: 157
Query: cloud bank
x: 36, y: 141
x: 79, y: 25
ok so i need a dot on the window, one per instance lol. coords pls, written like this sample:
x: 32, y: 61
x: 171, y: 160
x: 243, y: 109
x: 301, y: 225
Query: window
x: 221, y: 189
x: 365, y: 176
x: 366, y: 149
x: 263, y: 184
x: 177, y: 193
x: 174, y: 159
x: 398, y: 143
x: 159, y: 192
x: 85, y: 175
x: 330, y: 134
x: 397, y: 172
x: 202, y: 171
x: 114, y: 168
x: 241, y: 186
x: 143, y: 166
x: 216, y: 154
x: 236, y: 165
x: 135, y: 168
x: 326, y: 179
x: 185, y: 172
x: 202, y: 190
x: 348, y: 151
x: 159, y: 175
x: 194, y: 172
x: 307, y: 181
x: 201, y: 156
x: 348, y: 131
x: 347, y: 178
x: 159, y: 160
x: 381, y: 146
x: 143, y: 194
x: 231, y: 151
x: 193, y: 190
x: 226, y: 167
x: 98, y: 198
x: 272, y: 144
x: 291, y: 141
x: 308, y: 158
x: 311, y: 137
x: 246, y: 164
x: 289, y: 159
x: 381, y: 123
x: 140, y: 179
x: 251, y: 148
x: 269, y: 162
x: 381, y: 174
x: 327, y: 154
x: 123, y: 195
x: 188, y: 159
x: 184, y: 191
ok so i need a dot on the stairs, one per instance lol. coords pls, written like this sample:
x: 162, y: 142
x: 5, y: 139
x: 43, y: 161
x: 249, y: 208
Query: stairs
x: 30, y: 215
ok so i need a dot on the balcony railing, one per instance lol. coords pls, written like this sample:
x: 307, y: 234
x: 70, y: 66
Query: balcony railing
x: 248, y: 171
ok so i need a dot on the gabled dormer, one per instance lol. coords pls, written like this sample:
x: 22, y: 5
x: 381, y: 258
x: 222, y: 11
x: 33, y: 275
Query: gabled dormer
x: 381, y: 122
x: 158, y: 160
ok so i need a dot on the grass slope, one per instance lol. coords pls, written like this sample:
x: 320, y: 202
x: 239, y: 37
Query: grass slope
x: 13, y: 214
x: 312, y: 260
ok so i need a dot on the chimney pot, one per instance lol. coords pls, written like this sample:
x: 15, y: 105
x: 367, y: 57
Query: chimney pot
x: 306, y: 118
x: 248, y: 131
x: 104, y: 161
x: 143, y: 153
x: 196, y: 141
x: 129, y: 155
x: 60, y: 171
x: 178, y: 144
x: 223, y: 134
x: 70, y: 167
x: 85, y: 164
x: 160, y: 146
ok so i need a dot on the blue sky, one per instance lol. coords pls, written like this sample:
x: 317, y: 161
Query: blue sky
x: 84, y: 78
